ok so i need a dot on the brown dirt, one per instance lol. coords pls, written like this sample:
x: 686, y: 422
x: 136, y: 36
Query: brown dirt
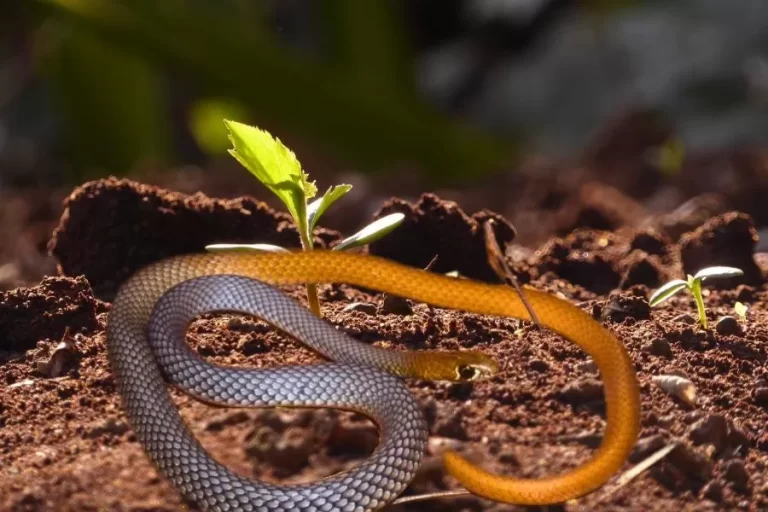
x: 65, y: 443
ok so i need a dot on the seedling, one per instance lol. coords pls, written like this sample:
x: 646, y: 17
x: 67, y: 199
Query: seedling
x: 741, y: 310
x: 693, y: 284
x: 279, y: 170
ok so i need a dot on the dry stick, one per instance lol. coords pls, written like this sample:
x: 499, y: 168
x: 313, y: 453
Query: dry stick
x: 499, y: 265
x: 430, y: 496
x: 638, y: 469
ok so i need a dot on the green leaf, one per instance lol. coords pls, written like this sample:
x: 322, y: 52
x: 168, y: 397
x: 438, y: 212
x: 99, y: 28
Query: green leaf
x: 741, y: 309
x: 318, y: 206
x: 245, y: 248
x: 275, y: 166
x: 667, y: 291
x: 718, y: 272
x: 372, y: 232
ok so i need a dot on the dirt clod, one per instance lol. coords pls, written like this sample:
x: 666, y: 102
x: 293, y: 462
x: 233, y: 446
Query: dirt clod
x: 434, y: 227
x: 110, y: 228
x: 713, y: 430
x: 391, y: 304
x: 582, y: 391
x: 47, y: 311
x: 658, y: 347
x: 726, y: 240
x: 761, y: 395
x: 735, y: 472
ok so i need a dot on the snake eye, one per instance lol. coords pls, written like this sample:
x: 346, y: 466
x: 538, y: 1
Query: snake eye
x: 466, y: 372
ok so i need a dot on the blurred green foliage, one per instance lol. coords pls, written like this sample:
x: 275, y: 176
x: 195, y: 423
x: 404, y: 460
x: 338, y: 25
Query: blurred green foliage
x: 356, y: 99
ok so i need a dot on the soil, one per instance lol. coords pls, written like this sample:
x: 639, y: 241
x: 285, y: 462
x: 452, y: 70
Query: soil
x: 603, y: 235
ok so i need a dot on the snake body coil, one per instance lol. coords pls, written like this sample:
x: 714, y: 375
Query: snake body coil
x: 172, y: 447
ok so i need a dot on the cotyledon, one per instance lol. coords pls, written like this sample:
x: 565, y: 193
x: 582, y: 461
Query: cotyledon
x: 387, y: 472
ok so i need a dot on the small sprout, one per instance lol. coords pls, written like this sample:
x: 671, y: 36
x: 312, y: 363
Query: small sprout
x: 677, y: 386
x: 741, y: 310
x: 317, y: 207
x: 693, y: 284
x: 279, y: 170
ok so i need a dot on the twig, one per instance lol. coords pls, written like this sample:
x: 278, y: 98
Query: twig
x: 638, y: 469
x: 499, y: 265
x: 430, y: 496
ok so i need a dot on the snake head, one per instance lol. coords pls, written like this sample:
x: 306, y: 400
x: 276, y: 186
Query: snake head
x: 454, y: 366
x: 474, y: 366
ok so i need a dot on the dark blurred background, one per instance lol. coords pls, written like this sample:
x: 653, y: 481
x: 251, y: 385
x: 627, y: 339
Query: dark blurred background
x: 474, y: 99
x: 448, y: 88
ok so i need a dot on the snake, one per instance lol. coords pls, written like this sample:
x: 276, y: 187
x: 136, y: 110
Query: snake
x: 141, y: 314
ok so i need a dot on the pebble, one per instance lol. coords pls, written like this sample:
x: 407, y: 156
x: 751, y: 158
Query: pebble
x: 658, y: 347
x: 728, y: 325
x: 735, y: 471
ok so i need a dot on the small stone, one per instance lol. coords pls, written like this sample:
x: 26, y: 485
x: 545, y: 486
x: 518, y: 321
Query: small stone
x: 761, y: 395
x: 363, y: 307
x: 582, y: 391
x: 713, y: 430
x: 685, y: 318
x: 658, y: 347
x: 713, y: 491
x: 734, y: 471
x: 728, y: 325
x: 392, y: 304
x: 538, y: 365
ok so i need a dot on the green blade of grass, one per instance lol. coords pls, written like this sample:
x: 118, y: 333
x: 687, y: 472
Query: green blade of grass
x: 667, y: 291
x: 317, y: 207
x: 372, y: 232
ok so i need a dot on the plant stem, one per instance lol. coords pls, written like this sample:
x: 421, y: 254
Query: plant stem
x: 314, y: 302
x: 696, y: 290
